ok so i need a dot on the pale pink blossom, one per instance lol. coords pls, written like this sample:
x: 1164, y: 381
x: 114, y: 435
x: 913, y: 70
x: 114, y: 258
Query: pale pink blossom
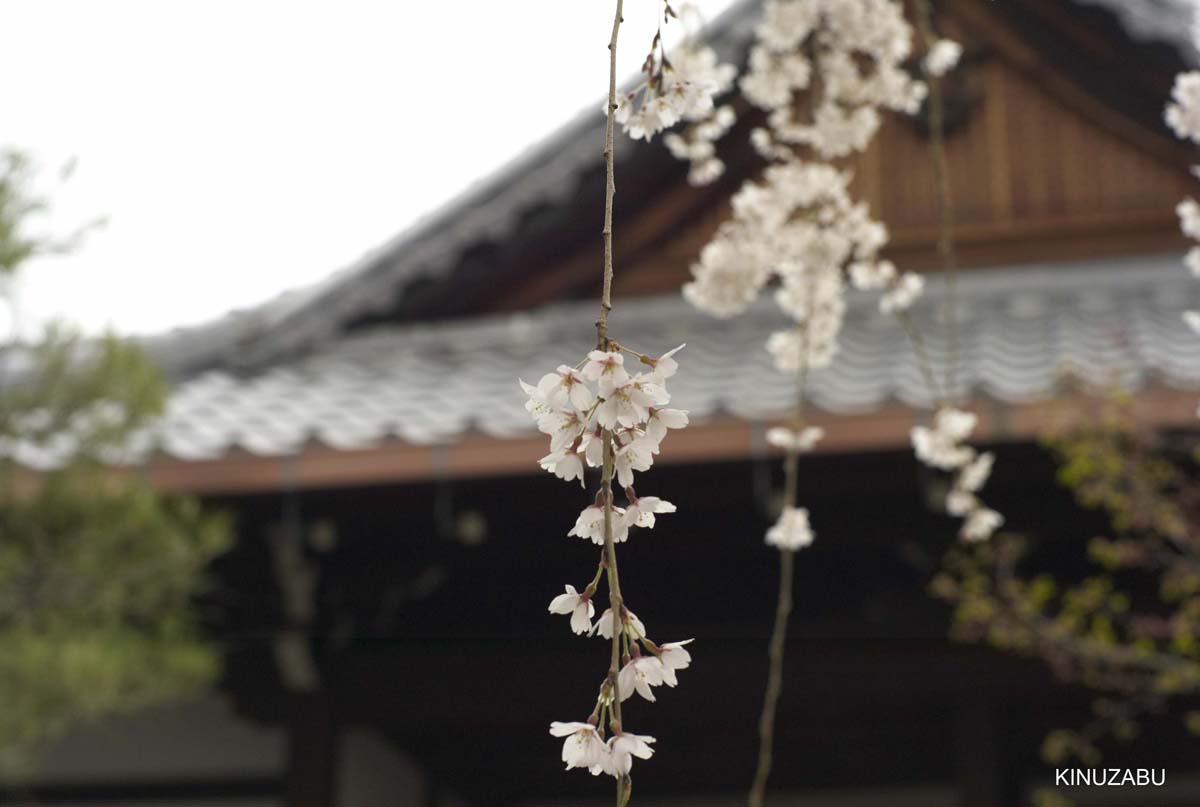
x: 583, y: 747
x: 590, y: 525
x: 792, y: 530
x: 638, y: 675
x: 604, y: 625
x: 641, y: 512
x: 621, y: 751
x: 579, y: 606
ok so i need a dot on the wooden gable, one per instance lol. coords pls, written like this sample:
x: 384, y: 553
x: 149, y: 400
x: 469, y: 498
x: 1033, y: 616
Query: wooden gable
x: 1040, y: 170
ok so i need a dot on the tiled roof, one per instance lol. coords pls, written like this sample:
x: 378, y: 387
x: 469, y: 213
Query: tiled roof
x: 432, y: 383
x: 1166, y: 21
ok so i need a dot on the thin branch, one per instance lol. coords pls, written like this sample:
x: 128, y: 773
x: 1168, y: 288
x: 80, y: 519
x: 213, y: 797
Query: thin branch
x: 610, y: 185
x: 783, y: 605
x: 616, y: 604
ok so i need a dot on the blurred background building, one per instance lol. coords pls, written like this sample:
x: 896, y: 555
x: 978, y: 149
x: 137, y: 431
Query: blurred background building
x: 384, y: 607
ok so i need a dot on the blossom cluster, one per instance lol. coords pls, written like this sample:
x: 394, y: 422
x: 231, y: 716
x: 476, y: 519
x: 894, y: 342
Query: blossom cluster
x: 943, y: 446
x: 632, y: 409
x: 799, y: 229
x: 792, y: 531
x: 848, y: 55
x: 682, y: 87
x: 599, y: 414
x: 1183, y: 116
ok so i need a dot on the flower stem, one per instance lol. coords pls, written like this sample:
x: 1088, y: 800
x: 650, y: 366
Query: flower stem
x: 610, y: 188
x: 616, y: 604
x: 766, y: 721
x: 783, y: 605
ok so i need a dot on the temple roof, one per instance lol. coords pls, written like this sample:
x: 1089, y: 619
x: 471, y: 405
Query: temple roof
x: 433, y: 383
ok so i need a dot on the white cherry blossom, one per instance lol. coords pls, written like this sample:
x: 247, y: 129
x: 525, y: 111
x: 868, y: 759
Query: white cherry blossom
x: 545, y: 398
x: 804, y: 440
x: 980, y: 524
x: 607, y: 368
x: 575, y: 388
x: 641, y: 512
x: 579, y: 606
x: 604, y: 625
x: 636, y: 455
x: 590, y: 525
x: 942, y: 446
x: 622, y: 749
x: 942, y: 57
x: 674, y: 656
x: 902, y: 293
x: 582, y: 747
x: 638, y: 675
x: 566, y: 465
x: 975, y: 475
x: 629, y: 404
x: 660, y: 420
x: 1183, y: 113
x: 792, y: 530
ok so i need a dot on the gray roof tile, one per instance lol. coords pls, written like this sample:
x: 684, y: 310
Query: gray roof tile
x: 431, y: 383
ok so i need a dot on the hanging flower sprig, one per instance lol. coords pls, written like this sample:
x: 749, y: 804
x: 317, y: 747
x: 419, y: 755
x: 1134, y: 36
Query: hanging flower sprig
x: 943, y: 445
x: 599, y: 413
x: 681, y: 86
x: 821, y: 70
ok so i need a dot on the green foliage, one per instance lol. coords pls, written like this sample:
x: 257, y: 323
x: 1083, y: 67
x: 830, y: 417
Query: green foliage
x: 19, y: 205
x: 98, y: 572
x: 1141, y: 651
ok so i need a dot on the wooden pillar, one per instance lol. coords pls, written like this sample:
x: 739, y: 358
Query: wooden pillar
x: 312, y: 750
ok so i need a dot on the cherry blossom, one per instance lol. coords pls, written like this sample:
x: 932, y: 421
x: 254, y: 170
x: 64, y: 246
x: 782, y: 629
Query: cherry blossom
x: 941, y: 446
x: 660, y: 420
x: 1183, y: 116
x: 638, y: 675
x: 598, y: 413
x: 583, y: 747
x: 942, y: 57
x: 980, y: 524
x: 944, y: 447
x: 579, y: 606
x: 804, y: 440
x: 681, y: 86
x: 674, y: 657
x: 604, y: 625
x: 792, y: 530
x: 844, y: 61
x: 566, y: 465
x: 1183, y: 113
x: 608, y: 368
x: 622, y: 748
x: 641, y: 511
x: 590, y: 525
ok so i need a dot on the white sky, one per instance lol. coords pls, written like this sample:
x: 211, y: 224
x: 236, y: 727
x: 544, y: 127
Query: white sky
x: 242, y: 148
